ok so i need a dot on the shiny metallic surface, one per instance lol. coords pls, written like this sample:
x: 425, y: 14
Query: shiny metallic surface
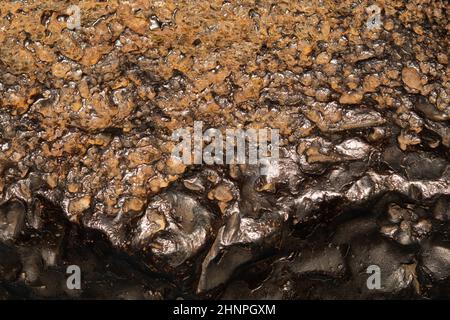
x: 359, y: 92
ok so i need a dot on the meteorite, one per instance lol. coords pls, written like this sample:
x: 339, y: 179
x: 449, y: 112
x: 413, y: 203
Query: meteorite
x: 91, y: 94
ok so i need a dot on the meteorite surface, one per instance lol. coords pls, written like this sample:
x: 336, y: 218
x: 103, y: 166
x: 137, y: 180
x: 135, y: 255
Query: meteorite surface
x: 92, y: 92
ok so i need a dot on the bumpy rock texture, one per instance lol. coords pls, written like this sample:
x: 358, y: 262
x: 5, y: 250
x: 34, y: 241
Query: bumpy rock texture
x: 358, y: 89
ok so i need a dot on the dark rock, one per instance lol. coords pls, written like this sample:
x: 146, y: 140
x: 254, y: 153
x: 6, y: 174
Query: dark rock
x: 10, y: 264
x: 12, y: 218
x: 435, y: 261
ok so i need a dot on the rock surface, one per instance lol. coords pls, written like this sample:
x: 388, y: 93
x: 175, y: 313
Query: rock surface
x: 88, y: 108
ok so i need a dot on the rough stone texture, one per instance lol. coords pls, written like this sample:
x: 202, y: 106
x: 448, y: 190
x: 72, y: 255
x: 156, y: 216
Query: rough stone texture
x: 86, y: 117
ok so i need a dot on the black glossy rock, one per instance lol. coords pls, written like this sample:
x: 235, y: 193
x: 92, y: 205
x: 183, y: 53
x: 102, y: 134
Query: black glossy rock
x: 10, y: 264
